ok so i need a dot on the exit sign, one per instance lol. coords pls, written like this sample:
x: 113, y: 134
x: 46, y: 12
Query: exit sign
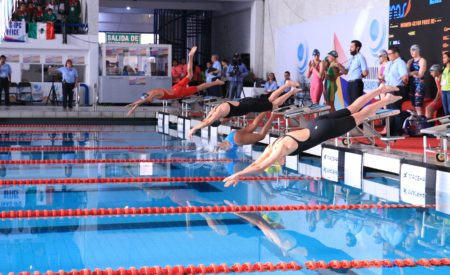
x: 130, y: 38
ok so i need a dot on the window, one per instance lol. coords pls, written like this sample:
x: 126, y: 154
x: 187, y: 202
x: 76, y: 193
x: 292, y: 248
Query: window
x: 31, y: 72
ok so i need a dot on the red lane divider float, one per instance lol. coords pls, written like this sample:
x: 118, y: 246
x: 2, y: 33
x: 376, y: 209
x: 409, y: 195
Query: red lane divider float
x: 90, y: 148
x: 102, y: 212
x: 249, y: 267
x: 58, y: 126
x: 92, y: 161
x: 140, y: 180
x: 75, y: 139
x: 4, y: 131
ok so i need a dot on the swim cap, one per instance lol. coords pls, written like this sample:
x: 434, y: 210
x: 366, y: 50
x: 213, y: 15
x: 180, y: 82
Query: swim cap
x: 415, y: 47
x: 333, y: 53
x: 315, y: 52
x: 435, y: 68
x: 382, y: 53
x: 273, y: 218
x: 274, y: 168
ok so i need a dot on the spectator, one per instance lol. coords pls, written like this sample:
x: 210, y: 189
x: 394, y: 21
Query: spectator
x: 50, y: 5
x: 417, y: 67
x: 215, y: 72
x: 287, y: 76
x: 383, y: 59
x: 197, y: 74
x: 39, y: 14
x: 183, y: 66
x: 436, y: 105
x: 50, y: 16
x: 271, y: 83
x: 225, y: 64
x: 396, y: 74
x: 31, y: 10
x: 445, y: 82
x: 5, y: 78
x: 316, y: 74
x: 236, y: 73
x: 356, y: 70
x: 334, y: 70
x: 73, y: 15
x: 69, y: 82
x: 177, y: 72
x: 21, y: 14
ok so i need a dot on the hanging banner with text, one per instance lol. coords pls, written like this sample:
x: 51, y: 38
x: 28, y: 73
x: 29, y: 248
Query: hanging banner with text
x: 417, y: 183
x: 128, y: 38
x: 16, y: 32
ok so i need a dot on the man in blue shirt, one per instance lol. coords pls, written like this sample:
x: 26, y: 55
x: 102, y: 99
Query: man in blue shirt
x: 236, y: 73
x: 356, y: 70
x: 213, y: 73
x: 5, y: 78
x: 69, y: 82
x: 396, y: 74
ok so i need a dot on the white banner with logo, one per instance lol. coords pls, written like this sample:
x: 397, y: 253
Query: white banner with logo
x: 330, y: 164
x: 413, y: 184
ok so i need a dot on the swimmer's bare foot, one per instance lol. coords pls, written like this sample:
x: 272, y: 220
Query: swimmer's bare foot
x: 392, y: 98
x: 192, y: 51
x: 387, y: 89
x: 291, y: 83
x: 218, y: 82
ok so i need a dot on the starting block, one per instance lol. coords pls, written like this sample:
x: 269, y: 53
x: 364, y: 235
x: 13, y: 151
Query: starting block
x: 299, y: 114
x: 442, y: 132
x: 368, y: 129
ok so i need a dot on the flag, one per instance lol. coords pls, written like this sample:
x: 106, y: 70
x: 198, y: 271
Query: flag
x: 41, y: 30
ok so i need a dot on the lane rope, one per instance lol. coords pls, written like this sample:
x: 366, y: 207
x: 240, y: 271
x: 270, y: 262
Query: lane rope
x: 141, y: 211
x: 135, y: 180
x: 90, y: 148
x: 4, y: 131
x: 60, y: 126
x: 75, y: 139
x: 95, y: 161
x: 250, y: 267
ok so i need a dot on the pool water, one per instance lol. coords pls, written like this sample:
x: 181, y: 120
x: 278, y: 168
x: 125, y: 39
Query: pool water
x: 43, y: 244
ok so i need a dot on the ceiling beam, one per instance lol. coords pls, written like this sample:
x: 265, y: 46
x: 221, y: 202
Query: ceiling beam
x: 170, y: 5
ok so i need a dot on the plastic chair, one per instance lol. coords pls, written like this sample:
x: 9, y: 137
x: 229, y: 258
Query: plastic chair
x: 13, y: 91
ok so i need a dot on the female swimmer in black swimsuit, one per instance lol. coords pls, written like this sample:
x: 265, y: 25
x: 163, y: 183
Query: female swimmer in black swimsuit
x: 319, y: 130
x: 247, y: 105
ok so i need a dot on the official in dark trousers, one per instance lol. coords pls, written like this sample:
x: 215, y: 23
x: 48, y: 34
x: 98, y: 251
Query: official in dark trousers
x: 69, y: 82
x: 5, y: 78
x: 356, y: 70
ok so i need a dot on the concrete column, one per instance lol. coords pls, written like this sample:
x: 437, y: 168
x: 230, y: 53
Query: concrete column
x: 256, y: 37
x: 91, y: 7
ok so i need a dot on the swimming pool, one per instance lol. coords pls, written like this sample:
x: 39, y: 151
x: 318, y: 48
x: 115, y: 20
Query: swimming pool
x: 126, y: 153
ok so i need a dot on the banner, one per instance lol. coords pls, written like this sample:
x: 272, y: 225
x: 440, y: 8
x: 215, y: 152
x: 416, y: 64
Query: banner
x: 130, y: 38
x: 417, y: 183
x: 295, y: 44
x: 16, y: 32
x: 330, y: 164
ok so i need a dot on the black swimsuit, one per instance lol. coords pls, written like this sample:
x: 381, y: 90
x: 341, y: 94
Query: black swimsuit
x: 324, y: 128
x: 248, y: 105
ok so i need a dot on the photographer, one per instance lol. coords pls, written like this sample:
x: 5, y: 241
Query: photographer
x: 236, y: 73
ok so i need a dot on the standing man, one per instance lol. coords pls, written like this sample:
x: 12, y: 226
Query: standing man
x: 214, y: 72
x: 5, y: 78
x: 69, y: 82
x: 356, y: 70
x: 396, y: 74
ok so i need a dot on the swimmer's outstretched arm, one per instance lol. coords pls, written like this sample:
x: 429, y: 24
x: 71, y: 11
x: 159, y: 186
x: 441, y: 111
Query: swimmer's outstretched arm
x: 215, y: 114
x: 147, y: 97
x: 269, y: 157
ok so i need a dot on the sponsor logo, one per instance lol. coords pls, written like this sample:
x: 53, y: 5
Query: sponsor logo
x: 415, y: 177
x: 302, y: 56
x: 398, y: 11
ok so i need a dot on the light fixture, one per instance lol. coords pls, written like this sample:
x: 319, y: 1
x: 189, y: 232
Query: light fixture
x: 128, y: 8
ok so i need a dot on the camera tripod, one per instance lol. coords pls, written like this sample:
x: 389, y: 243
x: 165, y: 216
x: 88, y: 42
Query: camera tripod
x: 52, y: 97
